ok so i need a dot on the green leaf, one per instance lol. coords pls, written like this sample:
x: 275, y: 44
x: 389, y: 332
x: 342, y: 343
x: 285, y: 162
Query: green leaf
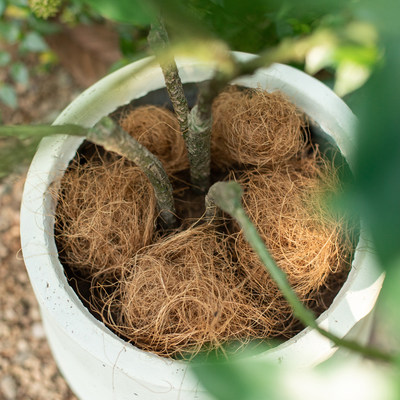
x: 10, y: 31
x: 18, y: 143
x: 20, y: 73
x: 384, y: 14
x: 234, y: 379
x: 378, y: 158
x: 43, y: 27
x: 135, y: 12
x: 5, y: 58
x: 33, y: 42
x: 2, y: 6
x: 8, y: 95
x: 362, y: 55
x: 14, y: 154
x: 19, y: 3
x: 388, y: 305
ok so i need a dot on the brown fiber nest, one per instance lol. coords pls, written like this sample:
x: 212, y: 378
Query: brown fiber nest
x: 309, y: 243
x: 183, y: 293
x: 175, y: 294
x: 106, y: 212
x: 257, y: 128
x: 201, y: 288
x: 158, y: 130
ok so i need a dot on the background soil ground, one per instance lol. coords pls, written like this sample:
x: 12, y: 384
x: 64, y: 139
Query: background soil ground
x: 27, y: 368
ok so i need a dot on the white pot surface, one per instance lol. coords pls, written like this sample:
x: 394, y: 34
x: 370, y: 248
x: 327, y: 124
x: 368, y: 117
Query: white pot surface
x: 96, y: 363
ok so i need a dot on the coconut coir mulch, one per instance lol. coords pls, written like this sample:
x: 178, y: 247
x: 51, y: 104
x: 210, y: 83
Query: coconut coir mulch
x: 176, y: 293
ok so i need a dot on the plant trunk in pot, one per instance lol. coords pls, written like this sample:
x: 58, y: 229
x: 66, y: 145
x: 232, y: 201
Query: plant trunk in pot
x: 96, y: 363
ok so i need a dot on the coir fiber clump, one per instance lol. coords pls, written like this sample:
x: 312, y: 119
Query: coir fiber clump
x: 158, y: 130
x: 201, y: 286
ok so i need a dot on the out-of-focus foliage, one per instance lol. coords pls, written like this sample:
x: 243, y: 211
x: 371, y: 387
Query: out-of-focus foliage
x: 377, y: 190
x: 13, y: 154
x: 23, y: 29
x: 257, y: 25
x: 21, y: 34
x: 19, y: 142
x: 253, y: 26
x: 378, y: 157
x: 45, y: 8
x: 134, y: 12
x: 239, y: 379
x: 8, y: 95
x: 250, y: 378
x: 132, y: 42
x: 249, y: 27
x: 352, y: 52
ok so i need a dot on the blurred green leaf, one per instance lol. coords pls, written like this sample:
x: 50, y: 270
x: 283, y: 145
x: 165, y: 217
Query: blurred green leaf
x: 135, y: 12
x: 5, y: 58
x: 18, y: 142
x: 33, y: 42
x: 362, y: 55
x: 248, y: 26
x: 2, y: 6
x: 19, y: 3
x: 10, y: 31
x: 378, y: 157
x: 19, y: 72
x: 350, y: 76
x: 43, y: 27
x: 8, y: 95
x: 78, y: 11
x: 388, y: 306
x: 239, y: 379
x: 384, y: 14
x: 14, y: 154
x: 341, y: 377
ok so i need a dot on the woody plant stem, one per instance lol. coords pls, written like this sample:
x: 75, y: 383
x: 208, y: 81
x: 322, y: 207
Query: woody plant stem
x: 113, y: 138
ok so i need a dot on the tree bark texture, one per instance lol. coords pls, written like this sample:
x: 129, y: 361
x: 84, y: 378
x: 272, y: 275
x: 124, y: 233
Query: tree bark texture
x: 159, y: 42
x: 198, y: 145
x: 113, y: 138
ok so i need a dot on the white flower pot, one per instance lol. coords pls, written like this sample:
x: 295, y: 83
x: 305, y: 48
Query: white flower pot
x: 96, y: 363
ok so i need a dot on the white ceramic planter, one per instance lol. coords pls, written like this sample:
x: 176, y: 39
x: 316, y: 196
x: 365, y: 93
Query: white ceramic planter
x: 96, y: 363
